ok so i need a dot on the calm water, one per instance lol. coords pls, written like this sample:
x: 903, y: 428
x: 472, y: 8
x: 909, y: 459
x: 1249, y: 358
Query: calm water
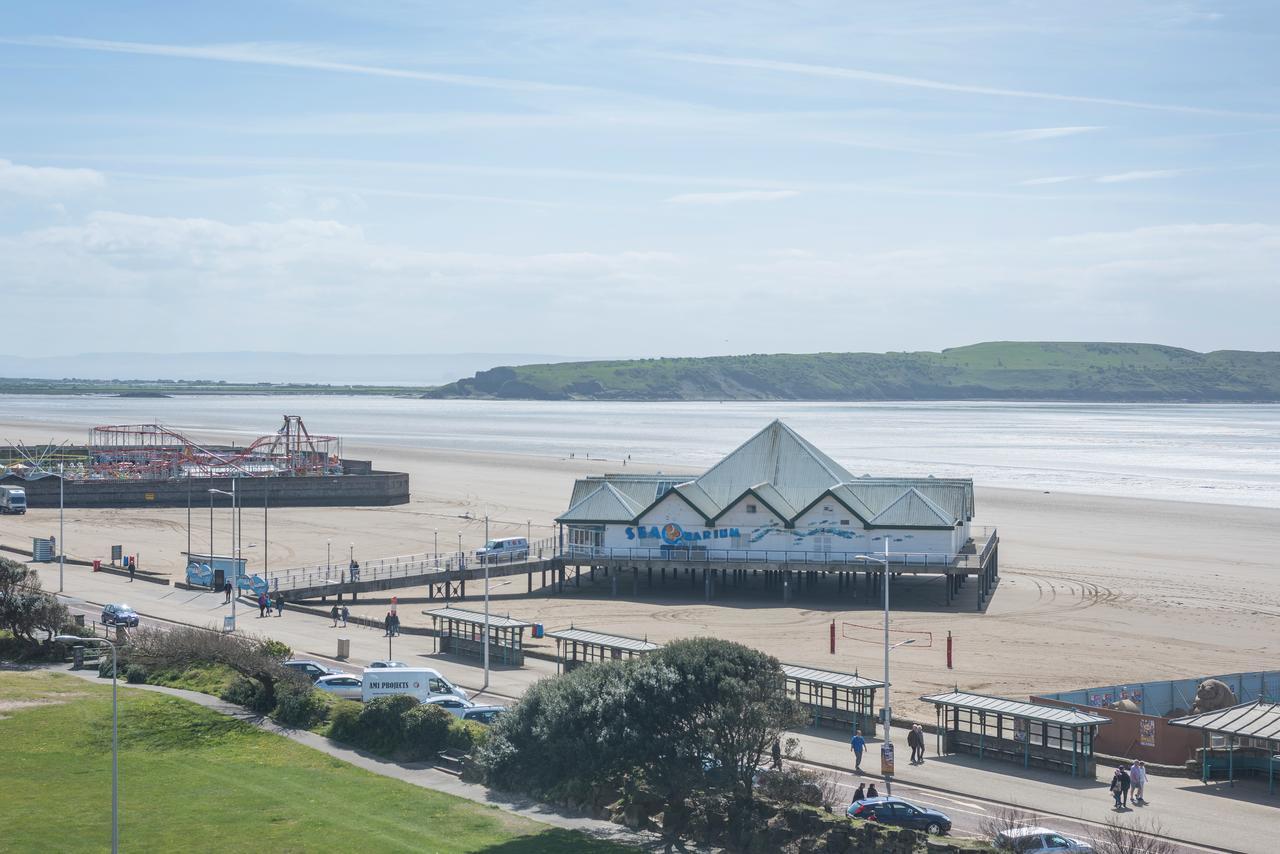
x: 1219, y: 453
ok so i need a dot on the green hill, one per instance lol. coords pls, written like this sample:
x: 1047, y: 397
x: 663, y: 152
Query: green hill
x: 1003, y: 370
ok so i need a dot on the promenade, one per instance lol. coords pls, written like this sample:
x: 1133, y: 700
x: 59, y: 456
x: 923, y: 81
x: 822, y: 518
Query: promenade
x: 1213, y: 817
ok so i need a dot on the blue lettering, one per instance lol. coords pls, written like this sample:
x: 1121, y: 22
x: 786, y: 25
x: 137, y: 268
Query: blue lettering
x: 733, y: 532
x: 653, y: 532
x: 631, y: 533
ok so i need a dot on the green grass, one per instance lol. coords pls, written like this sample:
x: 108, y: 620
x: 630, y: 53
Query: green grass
x: 194, y: 780
x: 211, y: 679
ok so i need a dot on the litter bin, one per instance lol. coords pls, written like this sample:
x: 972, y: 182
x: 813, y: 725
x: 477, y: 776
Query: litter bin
x: 537, y: 630
x: 344, y: 649
x: 97, y: 565
x: 78, y: 619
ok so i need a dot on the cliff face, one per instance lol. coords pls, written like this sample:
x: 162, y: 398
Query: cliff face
x: 992, y: 371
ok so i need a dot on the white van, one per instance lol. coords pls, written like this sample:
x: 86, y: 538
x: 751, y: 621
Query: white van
x: 13, y: 499
x: 420, y: 682
x: 506, y: 550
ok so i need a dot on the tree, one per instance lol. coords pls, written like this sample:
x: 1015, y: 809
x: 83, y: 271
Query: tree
x: 24, y: 606
x: 1137, y: 837
x: 181, y: 646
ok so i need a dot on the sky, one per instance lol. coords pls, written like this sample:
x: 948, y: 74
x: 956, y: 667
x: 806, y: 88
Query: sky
x: 637, y: 179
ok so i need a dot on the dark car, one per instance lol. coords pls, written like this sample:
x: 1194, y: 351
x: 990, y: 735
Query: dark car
x: 119, y: 615
x: 902, y: 813
x: 313, y: 670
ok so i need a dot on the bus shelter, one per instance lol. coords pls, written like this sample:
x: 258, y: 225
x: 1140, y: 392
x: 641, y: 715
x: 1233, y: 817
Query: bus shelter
x: 1242, y: 738
x: 844, y: 700
x: 576, y: 647
x: 461, y: 632
x: 1014, y: 731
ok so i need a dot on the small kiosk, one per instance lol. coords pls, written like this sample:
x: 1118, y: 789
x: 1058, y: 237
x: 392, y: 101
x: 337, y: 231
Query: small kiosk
x: 461, y: 632
x: 1014, y: 731
x: 841, y: 700
x: 1244, y: 738
x: 213, y: 571
x: 576, y: 647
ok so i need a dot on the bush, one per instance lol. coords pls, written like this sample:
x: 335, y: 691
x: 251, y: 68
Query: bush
x: 427, y: 728
x: 344, y: 721
x: 243, y: 692
x: 276, y: 649
x: 135, y: 674
x: 298, y: 705
x: 104, y: 667
x: 381, y: 724
x: 464, y: 736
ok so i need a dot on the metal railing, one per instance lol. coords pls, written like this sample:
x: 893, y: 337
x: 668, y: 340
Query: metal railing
x: 405, y: 566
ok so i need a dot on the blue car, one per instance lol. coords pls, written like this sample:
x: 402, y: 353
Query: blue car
x: 901, y: 813
x: 119, y: 615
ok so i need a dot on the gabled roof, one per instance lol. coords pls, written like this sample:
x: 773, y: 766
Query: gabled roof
x: 954, y: 495
x: 776, y: 455
x: 605, y: 504
x: 1255, y: 720
x: 695, y: 498
x: 913, y: 510
x: 766, y: 495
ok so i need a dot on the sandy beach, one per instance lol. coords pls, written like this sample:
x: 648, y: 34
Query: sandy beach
x: 1094, y: 590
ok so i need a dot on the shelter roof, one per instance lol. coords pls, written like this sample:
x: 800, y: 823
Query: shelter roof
x: 1016, y: 709
x: 829, y: 677
x: 913, y: 510
x: 603, y: 639
x: 459, y: 615
x: 1254, y: 720
x: 606, y: 503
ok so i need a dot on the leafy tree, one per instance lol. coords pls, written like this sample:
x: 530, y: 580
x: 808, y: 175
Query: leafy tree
x: 24, y: 606
x: 181, y: 646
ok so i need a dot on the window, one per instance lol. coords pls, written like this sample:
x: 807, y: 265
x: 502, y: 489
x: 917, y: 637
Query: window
x: 826, y: 508
x: 844, y: 521
x: 1053, y: 840
x: 439, y: 686
x: 751, y: 508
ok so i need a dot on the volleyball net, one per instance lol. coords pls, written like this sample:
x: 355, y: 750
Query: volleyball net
x: 875, y: 635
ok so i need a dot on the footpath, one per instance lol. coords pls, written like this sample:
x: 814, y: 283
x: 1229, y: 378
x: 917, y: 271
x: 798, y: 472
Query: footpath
x: 416, y: 774
x: 1215, y: 816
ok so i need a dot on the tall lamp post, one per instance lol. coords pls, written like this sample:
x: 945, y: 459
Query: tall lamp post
x: 62, y: 547
x: 888, y: 712
x: 235, y: 545
x: 115, y: 736
x: 485, y: 561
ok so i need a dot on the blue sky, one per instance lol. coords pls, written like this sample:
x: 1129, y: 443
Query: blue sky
x: 640, y: 179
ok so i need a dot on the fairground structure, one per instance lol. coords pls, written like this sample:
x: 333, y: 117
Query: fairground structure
x: 779, y: 509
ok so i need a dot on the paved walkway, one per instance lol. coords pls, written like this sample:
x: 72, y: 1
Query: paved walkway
x: 417, y: 774
x: 1215, y: 816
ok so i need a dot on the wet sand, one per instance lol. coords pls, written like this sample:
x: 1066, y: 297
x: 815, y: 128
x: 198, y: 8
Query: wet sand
x: 1094, y: 590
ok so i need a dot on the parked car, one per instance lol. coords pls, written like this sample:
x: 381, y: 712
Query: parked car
x: 1039, y: 840
x: 342, y: 684
x: 385, y: 663
x: 119, y: 615
x: 506, y: 550
x: 455, y: 706
x: 483, y: 714
x: 313, y: 669
x: 888, y: 810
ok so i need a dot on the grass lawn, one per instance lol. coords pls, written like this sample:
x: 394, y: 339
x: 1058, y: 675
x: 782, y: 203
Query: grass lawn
x: 194, y: 780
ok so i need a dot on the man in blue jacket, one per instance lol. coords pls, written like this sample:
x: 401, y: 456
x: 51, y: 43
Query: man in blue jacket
x: 857, y: 744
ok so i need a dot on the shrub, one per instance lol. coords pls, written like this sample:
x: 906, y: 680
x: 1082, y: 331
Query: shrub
x: 104, y: 667
x: 298, y: 705
x: 426, y: 730
x: 381, y: 724
x: 242, y: 692
x: 464, y: 736
x: 278, y: 650
x: 135, y: 674
x: 344, y: 721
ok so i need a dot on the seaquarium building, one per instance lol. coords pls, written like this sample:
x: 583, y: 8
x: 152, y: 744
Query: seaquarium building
x: 772, y: 503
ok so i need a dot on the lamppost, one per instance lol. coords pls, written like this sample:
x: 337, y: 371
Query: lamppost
x: 435, y: 546
x: 328, y: 557
x: 235, y: 546
x: 888, y: 712
x: 115, y: 736
x: 62, y: 547
x: 485, y: 560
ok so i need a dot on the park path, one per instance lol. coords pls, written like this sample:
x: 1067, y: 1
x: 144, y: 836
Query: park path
x: 416, y: 774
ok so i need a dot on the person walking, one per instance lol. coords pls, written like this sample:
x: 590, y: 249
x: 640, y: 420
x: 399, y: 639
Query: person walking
x: 279, y: 604
x: 346, y: 615
x: 1116, y: 787
x: 133, y: 567
x: 333, y: 612
x: 915, y: 740
x: 226, y: 589
x: 859, y: 793
x: 395, y: 625
x: 1138, y: 780
x: 1125, y: 784
x: 871, y: 792
x: 857, y: 744
x: 386, y: 625
x: 777, y: 755
x: 262, y: 604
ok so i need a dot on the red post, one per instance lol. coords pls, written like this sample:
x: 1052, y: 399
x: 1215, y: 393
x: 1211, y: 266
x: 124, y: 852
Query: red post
x: 833, y: 637
x: 949, y: 650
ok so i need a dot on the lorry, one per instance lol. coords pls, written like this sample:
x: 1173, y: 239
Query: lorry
x: 422, y: 683
x: 13, y: 499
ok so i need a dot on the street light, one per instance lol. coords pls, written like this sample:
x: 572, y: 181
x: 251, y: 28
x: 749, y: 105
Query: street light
x: 485, y: 561
x: 887, y: 709
x: 62, y: 546
x: 115, y: 737
x: 235, y: 545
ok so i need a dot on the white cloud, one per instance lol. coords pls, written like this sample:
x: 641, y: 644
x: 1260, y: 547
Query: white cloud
x: 1140, y: 175
x: 46, y: 181
x: 731, y: 198
x: 867, y: 76
x: 289, y: 56
x: 1038, y: 134
x: 1051, y: 179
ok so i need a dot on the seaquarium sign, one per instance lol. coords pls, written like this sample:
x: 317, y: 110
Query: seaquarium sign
x: 672, y: 534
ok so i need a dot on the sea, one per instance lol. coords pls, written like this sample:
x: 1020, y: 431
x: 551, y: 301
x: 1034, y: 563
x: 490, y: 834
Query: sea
x: 1226, y: 454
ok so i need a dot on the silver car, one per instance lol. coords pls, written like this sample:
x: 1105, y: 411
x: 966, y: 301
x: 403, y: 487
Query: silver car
x: 455, y: 706
x: 1040, y: 840
x: 342, y: 684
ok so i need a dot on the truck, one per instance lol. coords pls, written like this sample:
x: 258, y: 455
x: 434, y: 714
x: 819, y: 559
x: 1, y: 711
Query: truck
x: 13, y: 499
x: 422, y: 683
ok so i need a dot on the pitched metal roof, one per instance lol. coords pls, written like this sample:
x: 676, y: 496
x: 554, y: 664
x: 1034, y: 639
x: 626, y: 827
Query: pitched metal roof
x: 603, y: 639
x: 606, y: 504
x: 779, y: 456
x: 477, y: 618
x: 829, y: 677
x: 697, y: 496
x: 1015, y: 708
x: 913, y: 510
x: 1254, y: 720
x: 954, y: 495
